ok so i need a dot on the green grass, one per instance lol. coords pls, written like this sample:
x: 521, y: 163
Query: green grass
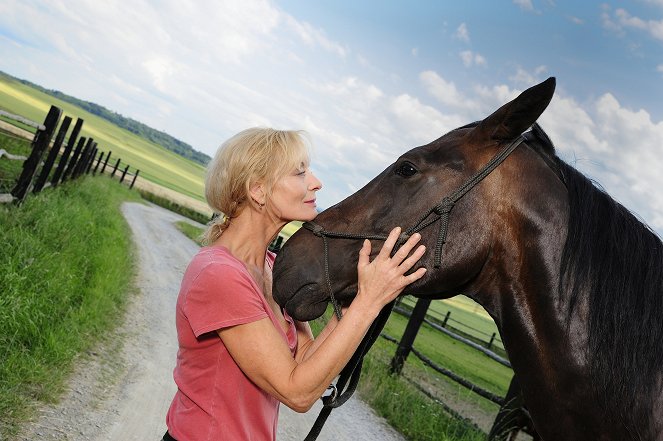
x: 155, y: 163
x: 175, y: 207
x: 466, y: 316
x: 66, y: 266
x: 190, y: 231
x: 10, y: 170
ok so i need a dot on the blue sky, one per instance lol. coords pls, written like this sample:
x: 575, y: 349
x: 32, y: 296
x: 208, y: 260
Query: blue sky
x: 367, y: 80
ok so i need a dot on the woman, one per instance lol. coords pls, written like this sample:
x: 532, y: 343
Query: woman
x: 239, y: 353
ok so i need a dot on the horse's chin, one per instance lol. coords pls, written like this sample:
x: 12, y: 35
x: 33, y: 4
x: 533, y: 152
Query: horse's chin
x: 303, y: 306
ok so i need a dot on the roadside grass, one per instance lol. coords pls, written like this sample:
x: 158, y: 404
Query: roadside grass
x: 190, y: 231
x: 174, y: 207
x: 156, y: 163
x: 11, y: 169
x: 67, y: 268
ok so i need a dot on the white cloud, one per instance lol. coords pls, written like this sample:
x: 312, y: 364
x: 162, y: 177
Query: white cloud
x: 462, y: 33
x: 525, y: 5
x: 613, y: 145
x: 576, y: 20
x: 472, y: 59
x: 622, y: 19
x: 659, y: 68
x: 524, y: 79
x: 313, y: 36
x: 445, y: 91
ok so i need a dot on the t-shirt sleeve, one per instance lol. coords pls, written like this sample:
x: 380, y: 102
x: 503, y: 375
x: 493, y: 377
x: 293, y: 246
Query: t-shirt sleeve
x: 219, y: 297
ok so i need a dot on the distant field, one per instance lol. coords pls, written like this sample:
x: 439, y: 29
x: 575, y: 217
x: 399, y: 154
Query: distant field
x: 155, y: 163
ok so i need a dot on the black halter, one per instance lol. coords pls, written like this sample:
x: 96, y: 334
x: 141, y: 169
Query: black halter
x: 441, y: 212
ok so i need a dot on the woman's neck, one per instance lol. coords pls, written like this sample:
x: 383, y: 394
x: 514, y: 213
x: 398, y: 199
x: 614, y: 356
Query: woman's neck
x: 249, y: 234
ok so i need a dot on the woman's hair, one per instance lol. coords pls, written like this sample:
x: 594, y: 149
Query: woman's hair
x: 253, y: 155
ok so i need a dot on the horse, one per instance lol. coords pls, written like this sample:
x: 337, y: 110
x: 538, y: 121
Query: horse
x: 571, y: 277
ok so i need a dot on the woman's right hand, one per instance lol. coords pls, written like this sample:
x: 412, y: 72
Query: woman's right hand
x: 383, y: 279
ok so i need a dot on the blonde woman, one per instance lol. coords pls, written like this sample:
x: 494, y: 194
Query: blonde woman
x: 239, y: 353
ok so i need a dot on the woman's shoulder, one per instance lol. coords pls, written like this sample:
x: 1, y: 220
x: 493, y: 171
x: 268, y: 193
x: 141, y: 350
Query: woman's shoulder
x: 217, y: 260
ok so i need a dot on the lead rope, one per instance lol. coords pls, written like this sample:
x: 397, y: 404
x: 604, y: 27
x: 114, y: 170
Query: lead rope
x: 442, y: 211
x: 351, y: 372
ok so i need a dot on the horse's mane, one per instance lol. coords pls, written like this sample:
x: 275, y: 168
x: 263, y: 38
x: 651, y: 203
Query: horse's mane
x: 614, y: 263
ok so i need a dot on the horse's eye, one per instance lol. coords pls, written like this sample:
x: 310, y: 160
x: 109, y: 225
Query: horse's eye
x: 406, y: 170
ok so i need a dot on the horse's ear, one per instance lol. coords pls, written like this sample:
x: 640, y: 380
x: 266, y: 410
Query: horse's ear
x: 513, y: 118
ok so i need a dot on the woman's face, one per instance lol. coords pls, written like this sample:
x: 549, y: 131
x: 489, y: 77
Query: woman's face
x: 293, y: 196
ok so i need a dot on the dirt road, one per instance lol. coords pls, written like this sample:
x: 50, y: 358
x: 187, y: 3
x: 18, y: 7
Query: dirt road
x: 122, y: 390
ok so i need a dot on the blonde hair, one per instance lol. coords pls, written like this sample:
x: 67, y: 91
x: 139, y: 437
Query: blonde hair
x: 253, y: 155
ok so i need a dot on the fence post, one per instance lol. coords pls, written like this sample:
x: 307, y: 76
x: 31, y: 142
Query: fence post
x: 117, y: 164
x: 74, y: 158
x: 96, y: 166
x: 39, y: 145
x: 90, y: 159
x: 446, y: 319
x: 511, y: 417
x: 52, y: 155
x: 492, y: 339
x: 124, y: 173
x: 134, y: 180
x: 413, y: 325
x: 67, y: 151
x: 82, y: 160
x: 105, y: 162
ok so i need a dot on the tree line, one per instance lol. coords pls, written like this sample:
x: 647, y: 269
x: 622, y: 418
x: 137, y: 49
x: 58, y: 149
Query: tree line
x: 156, y: 136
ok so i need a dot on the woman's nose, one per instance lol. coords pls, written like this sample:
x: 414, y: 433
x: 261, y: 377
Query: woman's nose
x: 315, y: 184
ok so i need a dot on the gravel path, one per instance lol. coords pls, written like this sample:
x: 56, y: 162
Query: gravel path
x: 122, y: 390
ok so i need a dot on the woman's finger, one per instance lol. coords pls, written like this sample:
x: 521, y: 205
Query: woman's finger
x: 418, y: 274
x: 414, y: 258
x: 364, y: 254
x: 385, y: 252
x: 408, y: 246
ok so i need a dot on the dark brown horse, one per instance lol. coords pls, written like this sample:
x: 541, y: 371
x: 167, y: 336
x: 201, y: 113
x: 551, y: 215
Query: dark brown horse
x: 572, y: 279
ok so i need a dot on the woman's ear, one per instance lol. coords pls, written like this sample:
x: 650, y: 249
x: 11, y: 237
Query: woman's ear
x: 258, y: 194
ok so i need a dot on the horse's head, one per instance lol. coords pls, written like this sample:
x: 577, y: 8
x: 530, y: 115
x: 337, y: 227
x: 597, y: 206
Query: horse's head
x: 485, y: 218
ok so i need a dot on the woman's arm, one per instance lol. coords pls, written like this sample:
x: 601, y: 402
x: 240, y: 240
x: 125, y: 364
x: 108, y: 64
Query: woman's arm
x: 264, y: 357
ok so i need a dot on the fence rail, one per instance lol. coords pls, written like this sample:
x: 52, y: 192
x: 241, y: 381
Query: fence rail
x: 78, y: 157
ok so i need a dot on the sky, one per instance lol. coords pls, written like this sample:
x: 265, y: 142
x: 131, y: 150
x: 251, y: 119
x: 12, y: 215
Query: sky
x: 367, y: 80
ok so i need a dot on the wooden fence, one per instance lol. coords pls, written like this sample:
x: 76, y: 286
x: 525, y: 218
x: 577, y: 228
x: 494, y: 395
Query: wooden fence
x: 512, y: 417
x: 79, y: 156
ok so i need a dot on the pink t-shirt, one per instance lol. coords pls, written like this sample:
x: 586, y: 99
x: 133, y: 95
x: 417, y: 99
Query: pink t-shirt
x: 215, y: 401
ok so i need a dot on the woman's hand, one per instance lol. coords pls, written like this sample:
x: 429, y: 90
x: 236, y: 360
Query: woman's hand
x: 383, y: 279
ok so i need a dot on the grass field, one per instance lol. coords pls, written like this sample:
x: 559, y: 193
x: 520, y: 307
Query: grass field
x: 154, y: 162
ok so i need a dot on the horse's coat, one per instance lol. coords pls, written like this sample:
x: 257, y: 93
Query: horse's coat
x: 573, y: 280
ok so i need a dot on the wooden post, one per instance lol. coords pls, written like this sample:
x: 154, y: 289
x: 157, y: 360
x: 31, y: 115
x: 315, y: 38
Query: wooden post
x: 82, y: 161
x: 117, y: 164
x: 52, y: 155
x: 67, y: 151
x: 446, y: 319
x: 512, y: 416
x: 90, y: 160
x: 124, y: 173
x: 99, y: 159
x: 134, y: 180
x: 74, y: 158
x: 106, y: 162
x: 413, y: 325
x: 39, y: 145
x: 492, y: 339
